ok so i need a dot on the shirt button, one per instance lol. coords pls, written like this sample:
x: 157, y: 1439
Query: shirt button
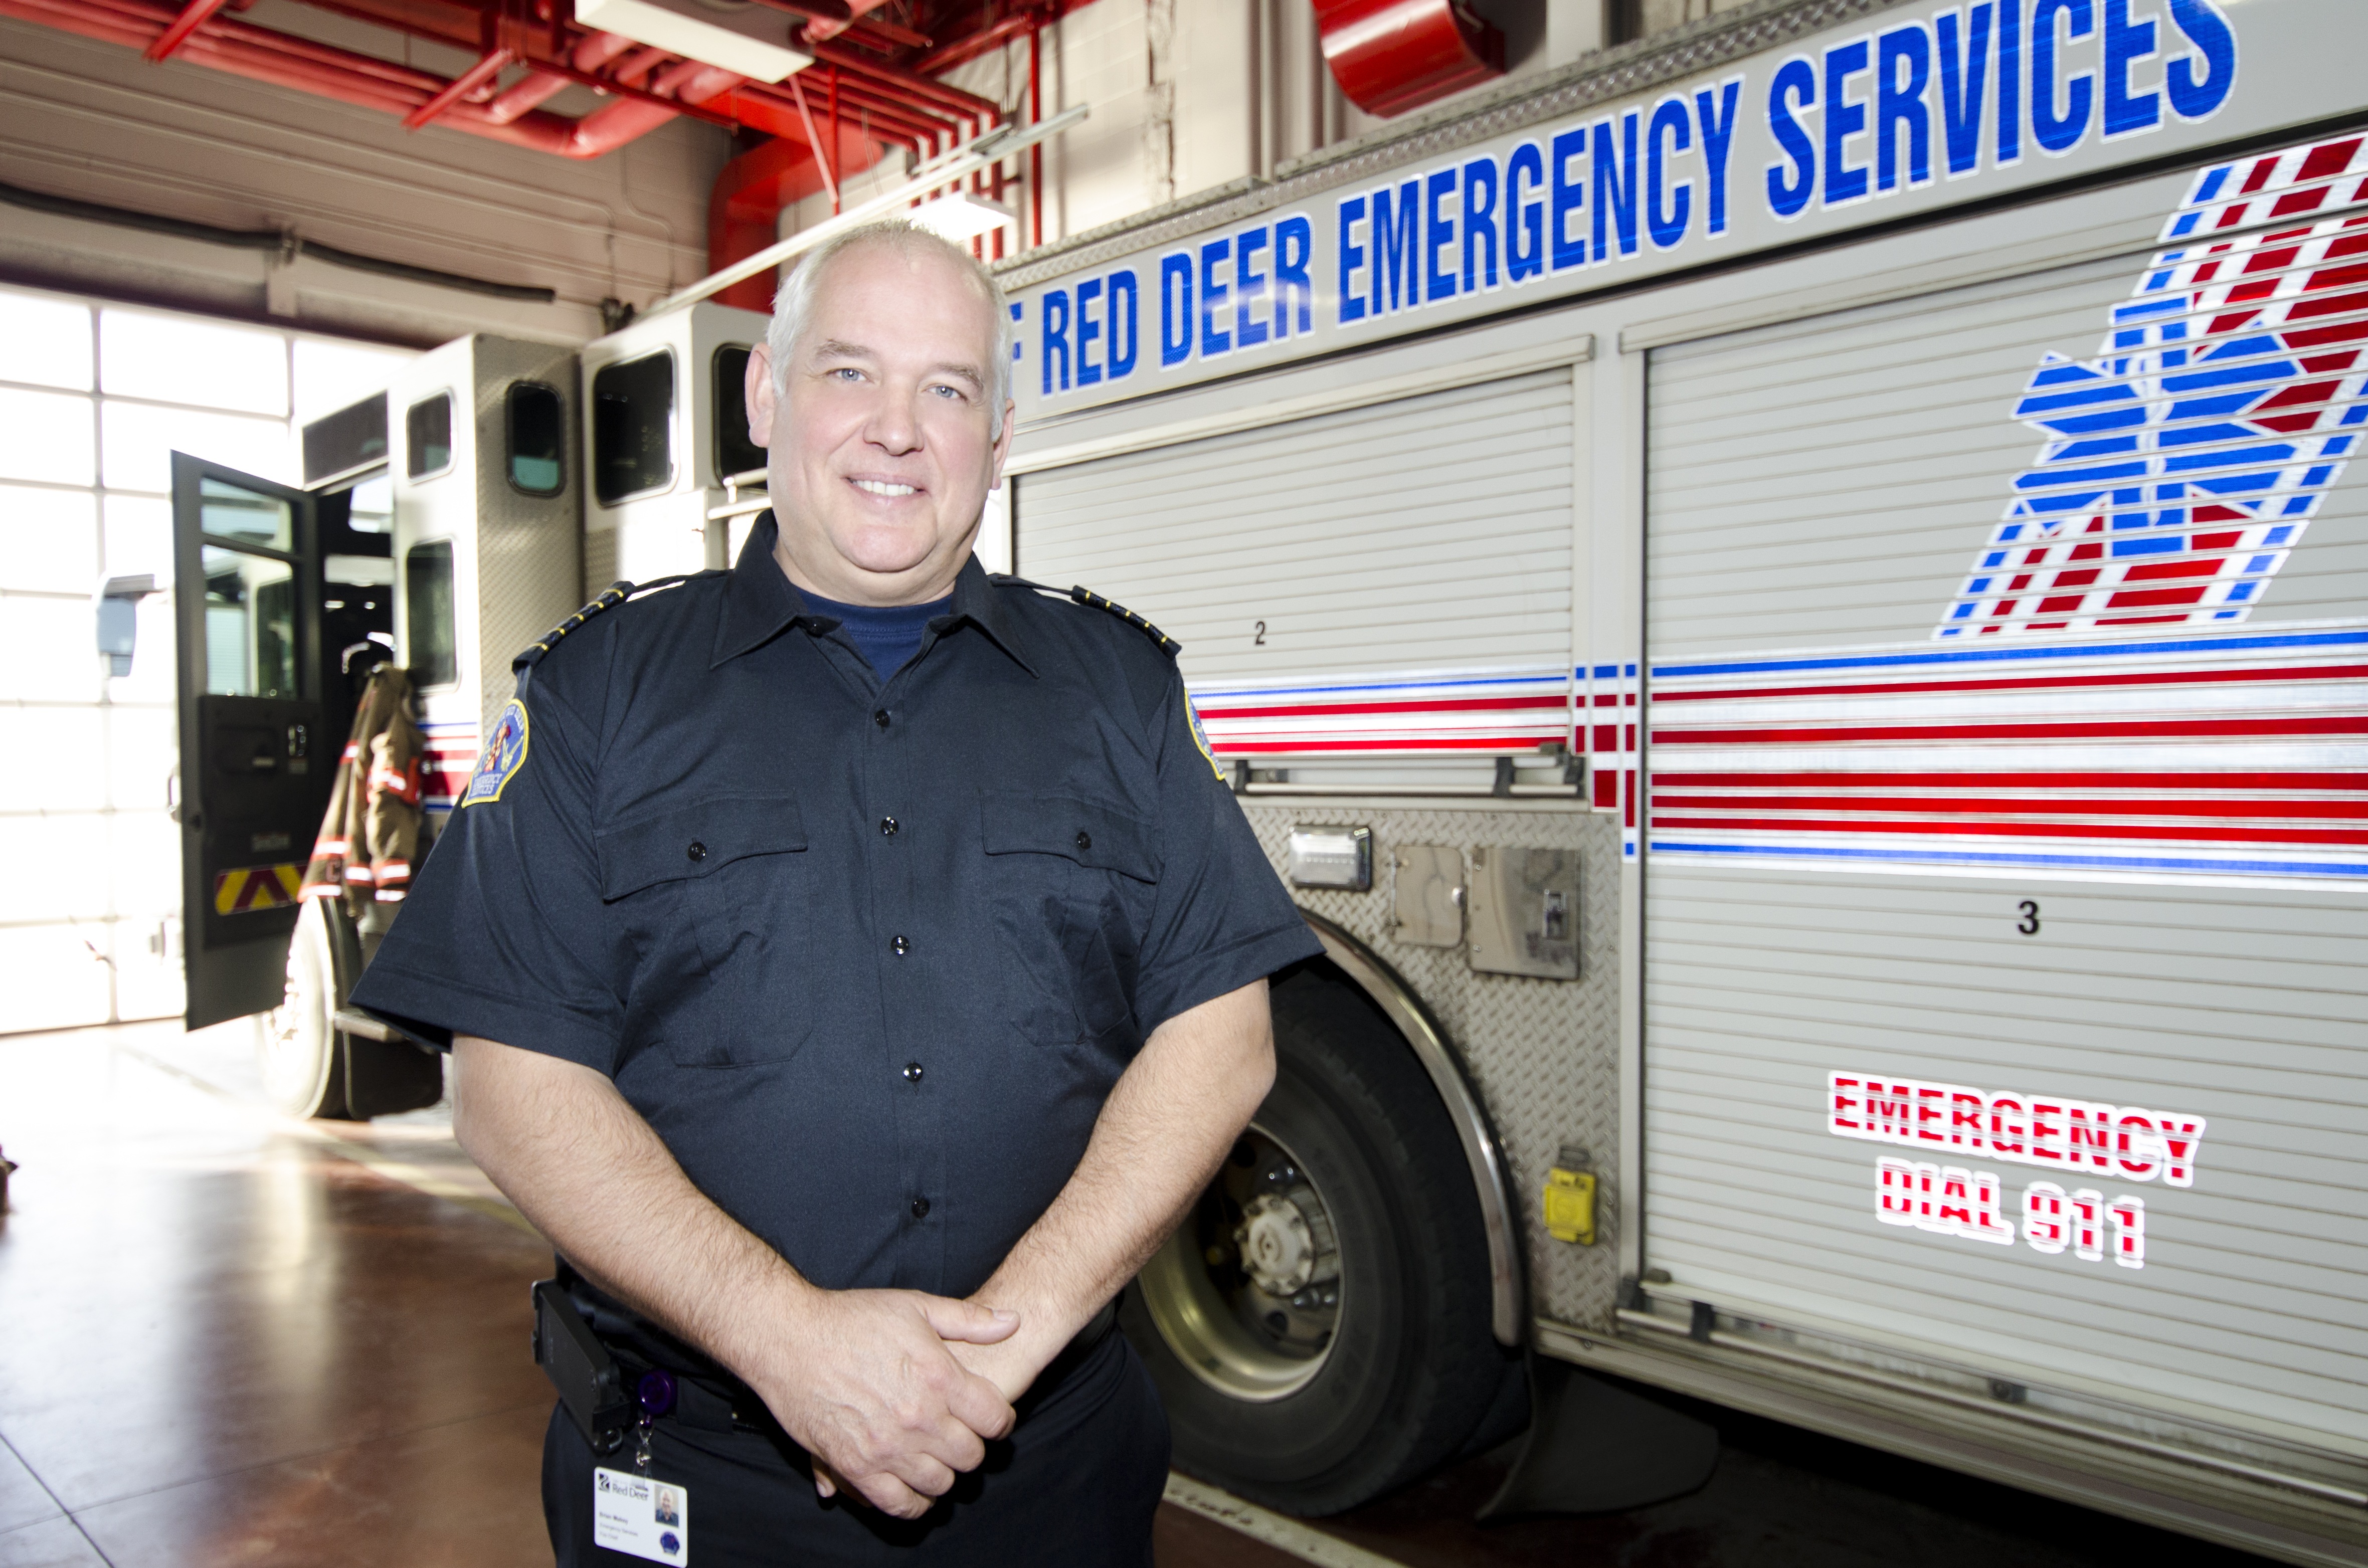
x: 898, y: 944
x: 920, y: 1209
x: 1085, y: 839
x: 879, y: 717
x: 697, y: 851
x: 912, y: 1072
x: 888, y: 827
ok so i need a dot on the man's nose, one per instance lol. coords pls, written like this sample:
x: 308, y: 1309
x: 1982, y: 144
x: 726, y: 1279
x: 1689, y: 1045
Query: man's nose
x: 892, y: 426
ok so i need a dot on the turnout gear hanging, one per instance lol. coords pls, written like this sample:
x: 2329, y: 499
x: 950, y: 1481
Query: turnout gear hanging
x: 371, y: 830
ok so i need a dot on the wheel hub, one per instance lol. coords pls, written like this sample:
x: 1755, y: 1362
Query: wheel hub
x: 1246, y: 1292
x: 1281, y: 1251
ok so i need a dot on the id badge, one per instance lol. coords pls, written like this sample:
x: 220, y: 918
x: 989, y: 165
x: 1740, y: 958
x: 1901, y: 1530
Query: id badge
x: 636, y: 1514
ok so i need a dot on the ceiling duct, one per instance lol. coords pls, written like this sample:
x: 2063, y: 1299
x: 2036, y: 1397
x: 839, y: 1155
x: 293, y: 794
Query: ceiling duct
x: 741, y: 36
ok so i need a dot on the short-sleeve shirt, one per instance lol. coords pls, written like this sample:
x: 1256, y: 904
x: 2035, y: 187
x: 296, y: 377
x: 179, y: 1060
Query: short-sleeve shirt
x: 868, y: 954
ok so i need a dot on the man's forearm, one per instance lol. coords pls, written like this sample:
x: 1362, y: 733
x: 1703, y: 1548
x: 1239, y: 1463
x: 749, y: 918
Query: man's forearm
x: 597, y: 1180
x: 1177, y: 1110
x: 863, y: 1378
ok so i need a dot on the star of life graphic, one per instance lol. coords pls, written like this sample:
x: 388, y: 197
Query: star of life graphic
x: 2184, y: 463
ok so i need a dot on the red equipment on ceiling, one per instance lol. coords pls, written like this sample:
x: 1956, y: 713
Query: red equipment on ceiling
x: 873, y: 84
x: 1393, y: 55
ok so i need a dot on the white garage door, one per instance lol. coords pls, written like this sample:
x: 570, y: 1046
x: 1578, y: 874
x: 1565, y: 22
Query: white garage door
x: 1390, y: 579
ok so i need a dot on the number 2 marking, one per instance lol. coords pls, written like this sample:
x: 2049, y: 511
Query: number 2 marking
x: 2028, y: 924
x: 1259, y: 641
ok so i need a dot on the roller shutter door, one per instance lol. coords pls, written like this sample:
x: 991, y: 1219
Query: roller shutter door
x: 2058, y: 827
x: 1430, y: 533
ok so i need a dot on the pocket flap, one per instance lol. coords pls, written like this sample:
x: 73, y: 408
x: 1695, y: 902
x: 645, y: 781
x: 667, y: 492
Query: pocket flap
x: 1088, y: 832
x: 692, y: 841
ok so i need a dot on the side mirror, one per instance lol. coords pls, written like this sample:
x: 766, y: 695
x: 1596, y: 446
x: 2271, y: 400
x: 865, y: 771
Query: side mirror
x: 118, y: 603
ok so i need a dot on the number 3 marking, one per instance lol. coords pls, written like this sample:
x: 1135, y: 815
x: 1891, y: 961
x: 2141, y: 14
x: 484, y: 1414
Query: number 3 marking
x: 2028, y: 924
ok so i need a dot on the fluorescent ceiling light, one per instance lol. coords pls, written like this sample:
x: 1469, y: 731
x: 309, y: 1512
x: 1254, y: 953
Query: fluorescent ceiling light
x: 738, y: 35
x: 962, y: 215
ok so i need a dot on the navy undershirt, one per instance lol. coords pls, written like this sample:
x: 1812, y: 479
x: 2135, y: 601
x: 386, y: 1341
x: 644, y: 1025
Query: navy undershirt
x: 887, y: 635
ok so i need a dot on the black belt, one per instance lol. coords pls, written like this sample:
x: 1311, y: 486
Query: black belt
x: 608, y: 1386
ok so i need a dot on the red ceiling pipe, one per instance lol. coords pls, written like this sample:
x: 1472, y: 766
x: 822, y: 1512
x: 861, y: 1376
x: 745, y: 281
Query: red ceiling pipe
x: 866, y: 112
x: 632, y: 67
x: 1035, y: 149
x: 259, y: 54
x: 952, y: 100
x: 479, y: 76
x: 172, y: 38
x: 1390, y: 56
x: 609, y: 127
x: 444, y: 21
x: 859, y: 101
x: 963, y: 51
x: 590, y: 53
x: 771, y: 109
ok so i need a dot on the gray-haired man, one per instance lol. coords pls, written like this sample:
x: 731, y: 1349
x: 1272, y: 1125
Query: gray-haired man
x: 878, y: 965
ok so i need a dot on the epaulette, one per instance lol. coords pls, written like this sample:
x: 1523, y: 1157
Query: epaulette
x: 1087, y: 596
x: 609, y: 598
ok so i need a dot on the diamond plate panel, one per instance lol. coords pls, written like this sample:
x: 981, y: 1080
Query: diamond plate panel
x: 530, y: 548
x: 1543, y: 1053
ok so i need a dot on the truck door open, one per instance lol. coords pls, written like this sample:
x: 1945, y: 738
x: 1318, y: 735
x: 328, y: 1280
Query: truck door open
x: 257, y: 760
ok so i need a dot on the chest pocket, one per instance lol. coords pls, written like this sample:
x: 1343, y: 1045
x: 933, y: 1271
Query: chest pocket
x: 717, y: 897
x: 1071, y: 882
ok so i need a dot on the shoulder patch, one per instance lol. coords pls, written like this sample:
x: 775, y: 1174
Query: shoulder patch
x: 505, y: 754
x: 609, y: 598
x: 1087, y: 596
x: 1200, y: 739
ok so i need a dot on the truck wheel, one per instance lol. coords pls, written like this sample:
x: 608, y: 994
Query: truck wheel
x: 1318, y: 1325
x: 296, y: 1043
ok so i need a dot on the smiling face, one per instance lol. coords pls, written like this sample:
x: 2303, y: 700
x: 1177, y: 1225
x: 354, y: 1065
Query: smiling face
x: 880, y: 453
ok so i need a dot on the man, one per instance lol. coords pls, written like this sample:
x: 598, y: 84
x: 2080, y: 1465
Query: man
x: 857, y: 967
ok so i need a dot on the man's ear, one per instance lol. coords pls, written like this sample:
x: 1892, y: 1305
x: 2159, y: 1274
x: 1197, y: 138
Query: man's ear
x: 758, y: 385
x: 1003, y: 446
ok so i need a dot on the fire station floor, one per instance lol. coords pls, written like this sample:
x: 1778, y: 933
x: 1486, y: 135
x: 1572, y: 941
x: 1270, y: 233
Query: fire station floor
x: 231, y: 1339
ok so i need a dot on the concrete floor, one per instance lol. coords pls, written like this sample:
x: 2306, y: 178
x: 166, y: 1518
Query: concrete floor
x: 229, y: 1338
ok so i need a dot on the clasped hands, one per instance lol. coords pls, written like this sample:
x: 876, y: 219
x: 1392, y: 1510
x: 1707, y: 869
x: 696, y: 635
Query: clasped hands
x: 895, y: 1392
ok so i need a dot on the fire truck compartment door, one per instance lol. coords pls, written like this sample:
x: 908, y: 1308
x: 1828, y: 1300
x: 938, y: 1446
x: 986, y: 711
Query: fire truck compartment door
x: 1428, y: 532
x: 2007, y: 891
x: 256, y: 762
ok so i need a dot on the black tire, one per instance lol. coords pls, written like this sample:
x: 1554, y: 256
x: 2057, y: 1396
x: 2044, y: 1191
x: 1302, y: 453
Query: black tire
x: 1410, y: 1368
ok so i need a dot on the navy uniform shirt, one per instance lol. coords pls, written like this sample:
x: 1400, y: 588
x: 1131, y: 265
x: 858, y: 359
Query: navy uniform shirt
x: 868, y: 953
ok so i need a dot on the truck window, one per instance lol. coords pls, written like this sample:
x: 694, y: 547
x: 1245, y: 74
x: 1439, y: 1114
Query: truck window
x: 734, y: 452
x: 537, y: 428
x: 250, y: 624
x: 427, y: 622
x: 427, y: 427
x: 633, y: 427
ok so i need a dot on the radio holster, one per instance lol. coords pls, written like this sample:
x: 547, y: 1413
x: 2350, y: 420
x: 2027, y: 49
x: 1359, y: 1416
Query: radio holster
x: 589, y: 1382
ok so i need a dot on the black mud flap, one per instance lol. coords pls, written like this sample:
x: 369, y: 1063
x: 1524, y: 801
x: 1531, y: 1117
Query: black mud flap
x: 1595, y: 1448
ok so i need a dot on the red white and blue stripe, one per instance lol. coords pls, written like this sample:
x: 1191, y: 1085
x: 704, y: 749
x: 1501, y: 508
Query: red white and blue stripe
x: 451, y: 756
x: 1432, y: 714
x: 2242, y: 754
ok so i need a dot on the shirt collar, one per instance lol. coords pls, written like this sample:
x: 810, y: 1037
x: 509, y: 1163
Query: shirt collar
x: 760, y: 602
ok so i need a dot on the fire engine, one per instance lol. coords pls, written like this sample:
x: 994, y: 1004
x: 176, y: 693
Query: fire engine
x: 1790, y: 604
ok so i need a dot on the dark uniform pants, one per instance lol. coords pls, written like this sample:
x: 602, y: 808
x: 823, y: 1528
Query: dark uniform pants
x: 1076, y: 1482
